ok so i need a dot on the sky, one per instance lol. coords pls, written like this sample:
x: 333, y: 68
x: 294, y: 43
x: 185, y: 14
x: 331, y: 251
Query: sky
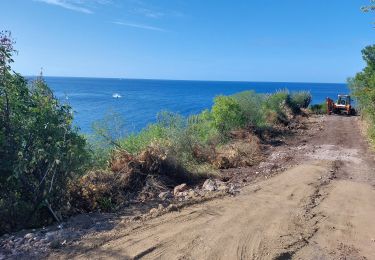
x: 230, y: 40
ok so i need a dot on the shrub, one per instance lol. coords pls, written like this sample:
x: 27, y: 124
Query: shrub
x: 251, y: 107
x: 227, y: 114
x: 363, y: 89
x: 202, y: 127
x: 40, y: 150
x: 168, y: 127
x: 185, y: 136
x: 135, y: 143
x: 274, y: 107
x: 301, y: 99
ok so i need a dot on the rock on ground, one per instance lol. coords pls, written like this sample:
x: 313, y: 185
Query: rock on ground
x: 180, y: 188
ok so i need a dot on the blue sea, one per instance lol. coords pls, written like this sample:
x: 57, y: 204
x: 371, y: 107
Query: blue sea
x: 139, y: 101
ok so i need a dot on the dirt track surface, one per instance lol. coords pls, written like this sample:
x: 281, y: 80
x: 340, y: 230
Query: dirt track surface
x: 321, y: 208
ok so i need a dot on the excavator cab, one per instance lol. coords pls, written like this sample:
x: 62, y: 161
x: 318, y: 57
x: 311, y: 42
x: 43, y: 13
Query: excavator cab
x: 342, y: 105
x: 343, y: 100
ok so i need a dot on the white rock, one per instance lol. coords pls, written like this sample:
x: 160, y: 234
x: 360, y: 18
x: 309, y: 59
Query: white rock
x: 232, y: 188
x: 209, y: 185
x: 164, y: 195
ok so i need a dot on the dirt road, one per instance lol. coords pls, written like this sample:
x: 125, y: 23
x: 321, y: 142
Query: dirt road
x: 322, y: 208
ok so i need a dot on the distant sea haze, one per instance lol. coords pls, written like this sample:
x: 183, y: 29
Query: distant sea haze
x: 139, y: 101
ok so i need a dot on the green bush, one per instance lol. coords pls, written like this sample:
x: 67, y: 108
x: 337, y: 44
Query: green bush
x: 251, y: 106
x: 275, y: 101
x: 301, y: 99
x: 274, y: 107
x: 227, y: 114
x: 362, y: 87
x: 135, y: 143
x: 202, y: 127
x: 182, y: 136
x: 40, y: 150
x: 280, y: 106
x: 168, y: 127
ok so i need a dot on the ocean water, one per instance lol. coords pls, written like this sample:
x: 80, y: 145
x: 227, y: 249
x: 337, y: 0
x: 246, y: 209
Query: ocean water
x: 139, y: 101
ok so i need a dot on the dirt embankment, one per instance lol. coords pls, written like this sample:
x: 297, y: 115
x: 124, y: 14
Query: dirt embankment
x: 320, y: 206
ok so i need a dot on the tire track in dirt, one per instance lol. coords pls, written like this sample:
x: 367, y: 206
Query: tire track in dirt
x: 254, y: 225
x: 347, y: 230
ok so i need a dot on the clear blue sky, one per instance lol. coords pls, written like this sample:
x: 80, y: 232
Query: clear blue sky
x: 249, y: 40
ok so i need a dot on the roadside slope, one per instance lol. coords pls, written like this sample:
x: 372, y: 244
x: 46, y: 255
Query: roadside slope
x: 322, y: 208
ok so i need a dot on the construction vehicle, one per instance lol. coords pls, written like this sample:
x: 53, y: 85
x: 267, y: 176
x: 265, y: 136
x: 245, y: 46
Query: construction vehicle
x: 343, y: 105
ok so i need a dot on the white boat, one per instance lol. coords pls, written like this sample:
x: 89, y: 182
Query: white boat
x: 116, y: 95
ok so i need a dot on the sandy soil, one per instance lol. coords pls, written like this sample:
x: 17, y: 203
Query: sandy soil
x: 321, y: 207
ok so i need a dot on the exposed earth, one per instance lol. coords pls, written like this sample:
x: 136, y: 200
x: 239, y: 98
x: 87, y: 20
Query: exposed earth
x: 313, y: 198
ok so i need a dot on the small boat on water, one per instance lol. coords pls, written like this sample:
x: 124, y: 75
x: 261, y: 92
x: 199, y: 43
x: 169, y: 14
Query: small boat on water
x: 116, y: 95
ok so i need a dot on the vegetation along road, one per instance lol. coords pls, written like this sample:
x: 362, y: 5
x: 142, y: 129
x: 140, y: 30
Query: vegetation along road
x: 320, y: 208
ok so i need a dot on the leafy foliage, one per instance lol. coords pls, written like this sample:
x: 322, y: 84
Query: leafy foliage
x: 251, y: 105
x: 39, y: 149
x: 363, y: 88
x: 301, y: 99
x: 202, y: 127
x: 275, y: 106
x: 135, y: 143
x: 227, y: 114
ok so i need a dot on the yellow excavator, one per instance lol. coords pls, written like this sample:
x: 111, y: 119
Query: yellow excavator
x: 343, y: 105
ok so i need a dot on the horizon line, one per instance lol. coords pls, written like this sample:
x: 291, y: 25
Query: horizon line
x: 202, y: 80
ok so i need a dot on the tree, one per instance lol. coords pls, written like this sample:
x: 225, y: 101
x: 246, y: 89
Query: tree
x: 40, y: 150
x: 363, y: 88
